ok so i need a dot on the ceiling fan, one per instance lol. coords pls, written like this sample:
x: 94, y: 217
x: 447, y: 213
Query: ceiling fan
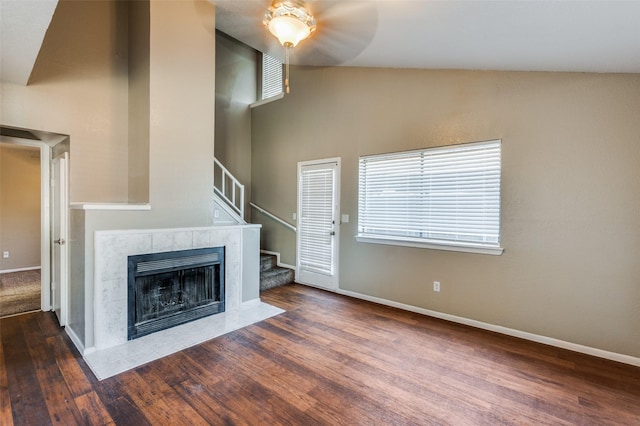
x: 290, y: 22
x: 338, y: 30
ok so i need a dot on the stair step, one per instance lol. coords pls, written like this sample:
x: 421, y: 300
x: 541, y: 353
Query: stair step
x: 267, y: 261
x: 275, y: 277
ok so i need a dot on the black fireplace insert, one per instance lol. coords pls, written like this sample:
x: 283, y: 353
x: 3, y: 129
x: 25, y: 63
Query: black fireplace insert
x: 172, y: 288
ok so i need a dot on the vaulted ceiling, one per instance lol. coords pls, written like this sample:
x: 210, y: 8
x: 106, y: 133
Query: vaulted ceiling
x: 519, y: 35
x: 23, y: 25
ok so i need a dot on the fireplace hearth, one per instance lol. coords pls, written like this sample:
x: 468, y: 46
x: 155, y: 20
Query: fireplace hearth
x: 172, y: 288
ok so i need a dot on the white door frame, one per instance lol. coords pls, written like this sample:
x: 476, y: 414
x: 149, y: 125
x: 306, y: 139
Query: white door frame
x: 61, y: 187
x: 45, y: 218
x: 332, y: 282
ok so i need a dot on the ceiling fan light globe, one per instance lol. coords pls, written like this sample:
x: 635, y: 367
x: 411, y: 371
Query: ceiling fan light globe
x: 289, y: 30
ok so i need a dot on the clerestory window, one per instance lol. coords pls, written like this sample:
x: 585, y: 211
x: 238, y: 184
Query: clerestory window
x: 271, y: 77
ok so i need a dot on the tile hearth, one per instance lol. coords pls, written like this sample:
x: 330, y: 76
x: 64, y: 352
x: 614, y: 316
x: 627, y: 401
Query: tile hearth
x: 118, y: 359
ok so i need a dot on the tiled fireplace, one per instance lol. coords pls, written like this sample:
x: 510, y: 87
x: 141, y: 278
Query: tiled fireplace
x: 112, y: 351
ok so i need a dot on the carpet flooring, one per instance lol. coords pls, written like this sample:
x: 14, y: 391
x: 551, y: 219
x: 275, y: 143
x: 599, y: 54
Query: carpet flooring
x: 19, y: 292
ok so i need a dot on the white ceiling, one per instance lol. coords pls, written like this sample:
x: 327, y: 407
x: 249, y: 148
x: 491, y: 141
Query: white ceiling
x: 520, y: 35
x: 23, y: 24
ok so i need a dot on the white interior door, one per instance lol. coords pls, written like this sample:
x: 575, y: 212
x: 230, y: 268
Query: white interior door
x: 59, y: 238
x: 318, y: 230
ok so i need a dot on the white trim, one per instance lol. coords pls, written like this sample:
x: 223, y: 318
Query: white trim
x: 62, y: 187
x: 108, y: 206
x: 219, y: 201
x: 278, y: 263
x: 45, y: 216
x: 76, y: 341
x: 286, y: 265
x: 266, y: 101
x: 429, y: 244
x: 45, y: 238
x: 328, y: 282
x: 613, y: 356
x: 30, y: 268
x: 21, y: 313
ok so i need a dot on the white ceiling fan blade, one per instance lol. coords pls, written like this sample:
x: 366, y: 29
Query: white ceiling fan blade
x: 344, y: 29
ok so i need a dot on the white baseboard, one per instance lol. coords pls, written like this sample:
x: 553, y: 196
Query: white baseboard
x: 277, y: 255
x: 613, y: 356
x: 30, y: 268
x: 75, y: 339
x: 21, y: 313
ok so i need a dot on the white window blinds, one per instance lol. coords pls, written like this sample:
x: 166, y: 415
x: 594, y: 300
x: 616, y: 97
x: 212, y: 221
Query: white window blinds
x: 448, y: 195
x: 316, y: 219
x: 271, y: 76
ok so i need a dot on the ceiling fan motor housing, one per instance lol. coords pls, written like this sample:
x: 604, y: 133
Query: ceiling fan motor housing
x: 289, y: 21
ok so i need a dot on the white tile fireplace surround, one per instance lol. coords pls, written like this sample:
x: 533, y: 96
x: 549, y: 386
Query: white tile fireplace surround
x: 112, y: 352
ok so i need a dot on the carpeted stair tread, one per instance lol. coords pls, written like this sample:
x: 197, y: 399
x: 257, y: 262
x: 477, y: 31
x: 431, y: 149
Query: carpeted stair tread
x: 272, y: 275
x: 267, y: 262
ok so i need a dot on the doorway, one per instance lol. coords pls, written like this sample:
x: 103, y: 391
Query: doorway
x: 47, y: 143
x: 318, y: 230
x: 20, y: 229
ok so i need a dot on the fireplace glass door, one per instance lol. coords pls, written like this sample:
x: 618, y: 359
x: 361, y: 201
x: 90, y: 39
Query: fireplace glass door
x: 167, y: 289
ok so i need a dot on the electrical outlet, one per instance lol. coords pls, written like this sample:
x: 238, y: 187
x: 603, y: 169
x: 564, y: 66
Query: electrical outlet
x: 216, y: 214
x: 294, y: 216
x: 5, y: 254
x: 436, y: 286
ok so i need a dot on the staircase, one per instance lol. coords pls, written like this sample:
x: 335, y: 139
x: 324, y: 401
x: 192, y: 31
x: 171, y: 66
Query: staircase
x: 228, y: 197
x: 272, y: 275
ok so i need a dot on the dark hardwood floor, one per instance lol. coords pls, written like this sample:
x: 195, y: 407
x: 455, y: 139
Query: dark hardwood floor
x: 328, y: 360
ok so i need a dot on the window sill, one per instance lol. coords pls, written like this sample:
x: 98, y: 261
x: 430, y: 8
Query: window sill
x: 436, y: 245
x: 266, y: 101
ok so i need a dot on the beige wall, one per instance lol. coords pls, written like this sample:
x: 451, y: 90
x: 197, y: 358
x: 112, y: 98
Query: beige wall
x: 19, y: 206
x: 138, y: 54
x: 133, y: 84
x: 570, y: 206
x: 182, y: 112
x: 79, y: 87
x: 181, y: 75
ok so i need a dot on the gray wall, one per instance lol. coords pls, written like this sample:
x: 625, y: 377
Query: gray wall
x: 236, y: 76
x: 570, y: 207
x: 236, y: 87
x: 77, y: 273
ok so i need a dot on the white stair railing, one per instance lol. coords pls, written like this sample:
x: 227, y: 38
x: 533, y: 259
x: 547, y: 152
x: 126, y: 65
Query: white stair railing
x: 273, y: 216
x: 228, y: 188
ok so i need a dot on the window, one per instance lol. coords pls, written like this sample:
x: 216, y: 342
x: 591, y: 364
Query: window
x: 445, y: 198
x: 271, y: 77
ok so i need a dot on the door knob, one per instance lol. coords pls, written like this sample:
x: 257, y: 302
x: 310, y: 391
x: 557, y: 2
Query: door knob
x: 332, y: 233
x: 59, y: 241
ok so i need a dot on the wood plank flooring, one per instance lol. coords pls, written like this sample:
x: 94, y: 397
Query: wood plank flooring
x: 328, y: 360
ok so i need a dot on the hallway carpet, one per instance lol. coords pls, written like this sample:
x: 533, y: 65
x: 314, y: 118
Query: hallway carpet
x: 19, y: 292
